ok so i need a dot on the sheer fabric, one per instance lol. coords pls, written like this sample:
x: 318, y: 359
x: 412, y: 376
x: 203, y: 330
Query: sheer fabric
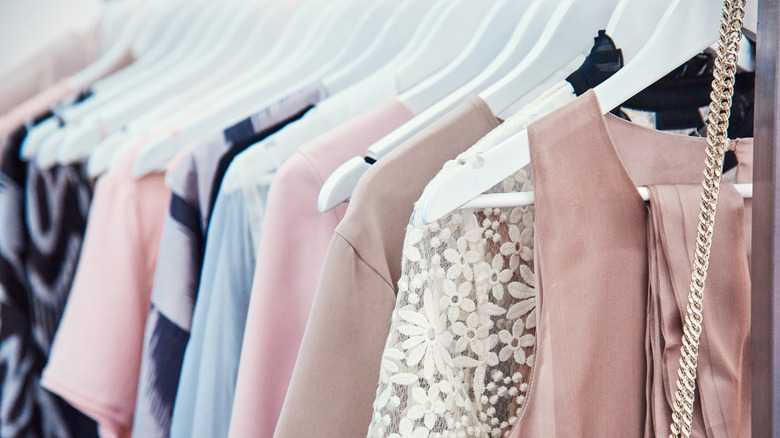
x: 334, y: 382
x: 460, y: 355
x: 460, y: 350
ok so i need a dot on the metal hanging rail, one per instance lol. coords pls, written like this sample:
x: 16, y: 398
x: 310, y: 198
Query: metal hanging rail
x: 765, y: 271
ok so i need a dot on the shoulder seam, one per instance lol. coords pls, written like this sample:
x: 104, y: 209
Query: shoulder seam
x: 360, y: 257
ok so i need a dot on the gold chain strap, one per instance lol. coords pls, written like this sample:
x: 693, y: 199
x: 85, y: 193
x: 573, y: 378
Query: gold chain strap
x: 717, y: 143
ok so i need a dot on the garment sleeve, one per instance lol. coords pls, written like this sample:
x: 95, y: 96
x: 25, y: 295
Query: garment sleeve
x: 96, y: 355
x: 209, y: 371
x: 342, y: 348
x: 292, y: 250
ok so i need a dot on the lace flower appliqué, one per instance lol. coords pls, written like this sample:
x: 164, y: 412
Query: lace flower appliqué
x: 461, y: 345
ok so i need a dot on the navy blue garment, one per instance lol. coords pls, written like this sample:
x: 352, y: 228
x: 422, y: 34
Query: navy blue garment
x: 43, y: 218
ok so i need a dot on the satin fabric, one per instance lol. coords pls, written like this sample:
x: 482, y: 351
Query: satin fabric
x: 591, y: 254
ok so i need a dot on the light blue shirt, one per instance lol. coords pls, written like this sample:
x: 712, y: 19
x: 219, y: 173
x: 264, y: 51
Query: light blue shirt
x: 204, y: 399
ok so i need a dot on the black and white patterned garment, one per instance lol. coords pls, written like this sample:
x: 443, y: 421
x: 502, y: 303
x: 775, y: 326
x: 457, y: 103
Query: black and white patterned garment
x: 42, y: 222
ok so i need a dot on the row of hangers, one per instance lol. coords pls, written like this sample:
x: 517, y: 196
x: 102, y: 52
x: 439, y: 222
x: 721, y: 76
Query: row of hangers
x: 202, y: 66
x: 655, y: 37
x: 188, y: 76
x: 686, y: 28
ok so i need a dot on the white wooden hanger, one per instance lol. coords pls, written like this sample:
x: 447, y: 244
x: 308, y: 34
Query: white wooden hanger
x: 440, y: 42
x: 136, y: 24
x: 568, y: 35
x: 254, y: 64
x: 409, y: 12
x: 267, y: 32
x: 687, y: 27
x: 366, y: 41
x: 340, y: 185
x: 527, y: 29
x: 525, y: 199
x: 301, y: 29
x: 115, y: 114
x: 80, y: 129
x: 259, y: 46
x: 99, y: 161
x: 258, y: 43
x: 152, y: 24
x: 396, y: 36
x: 383, y: 16
x: 136, y: 71
x: 341, y: 34
x: 113, y: 18
x: 494, y: 35
x: 633, y: 22
x: 112, y: 117
x: 298, y: 72
x: 270, y: 158
x: 449, y: 37
x: 208, y: 53
x: 394, y: 44
x: 192, y: 27
x: 50, y: 143
x: 297, y: 26
x: 36, y: 137
x: 157, y: 40
x: 540, y: 21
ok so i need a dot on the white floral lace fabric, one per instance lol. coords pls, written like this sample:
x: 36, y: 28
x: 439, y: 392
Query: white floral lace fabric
x: 460, y: 351
x: 461, y: 347
x: 459, y: 356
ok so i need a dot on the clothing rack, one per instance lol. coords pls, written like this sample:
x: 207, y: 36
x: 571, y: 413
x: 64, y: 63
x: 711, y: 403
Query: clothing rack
x: 765, y: 273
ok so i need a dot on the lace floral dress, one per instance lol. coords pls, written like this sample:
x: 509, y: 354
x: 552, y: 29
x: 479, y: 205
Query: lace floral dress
x: 461, y: 347
x: 460, y: 352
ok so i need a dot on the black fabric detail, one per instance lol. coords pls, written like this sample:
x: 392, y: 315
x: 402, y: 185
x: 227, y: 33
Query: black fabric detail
x: 742, y: 112
x: 240, y: 145
x: 186, y: 214
x: 689, y: 85
x: 11, y: 165
x: 84, y: 95
x: 677, y: 97
x: 18, y: 352
x: 30, y: 311
x: 742, y: 106
x: 239, y: 131
x: 604, y: 60
x: 41, y: 117
x: 59, y: 225
x: 167, y: 345
x: 678, y: 118
x: 14, y: 171
x: 13, y: 287
x: 81, y: 426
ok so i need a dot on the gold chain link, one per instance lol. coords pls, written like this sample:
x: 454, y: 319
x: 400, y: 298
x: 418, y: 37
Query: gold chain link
x: 717, y: 144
